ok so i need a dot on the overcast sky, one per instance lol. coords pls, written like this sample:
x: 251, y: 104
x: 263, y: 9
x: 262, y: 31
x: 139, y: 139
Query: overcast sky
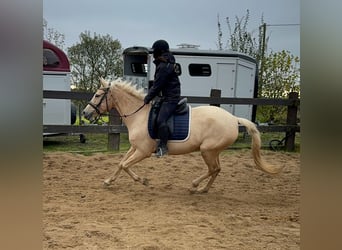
x: 141, y: 22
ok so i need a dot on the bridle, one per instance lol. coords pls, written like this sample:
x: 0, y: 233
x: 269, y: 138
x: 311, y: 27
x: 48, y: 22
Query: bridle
x: 104, y: 96
x: 96, y: 106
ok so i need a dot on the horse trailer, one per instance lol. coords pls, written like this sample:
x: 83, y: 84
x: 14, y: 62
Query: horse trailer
x: 200, y: 71
x: 56, y: 76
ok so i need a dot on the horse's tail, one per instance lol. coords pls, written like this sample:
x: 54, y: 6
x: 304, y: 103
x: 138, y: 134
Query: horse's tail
x: 256, y: 144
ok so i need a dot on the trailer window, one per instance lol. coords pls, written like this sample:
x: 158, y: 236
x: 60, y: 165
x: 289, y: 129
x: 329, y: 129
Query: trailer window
x: 139, y: 68
x: 50, y: 59
x: 196, y: 69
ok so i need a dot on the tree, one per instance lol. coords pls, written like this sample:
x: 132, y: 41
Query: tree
x: 278, y: 72
x: 280, y: 77
x: 94, y: 57
x: 244, y: 41
x: 240, y: 39
x: 52, y: 35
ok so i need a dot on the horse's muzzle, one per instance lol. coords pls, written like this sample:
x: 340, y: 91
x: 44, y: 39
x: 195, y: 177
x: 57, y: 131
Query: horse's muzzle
x: 89, y: 113
x: 86, y: 115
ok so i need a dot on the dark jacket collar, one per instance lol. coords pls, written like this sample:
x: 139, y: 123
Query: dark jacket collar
x: 165, y: 57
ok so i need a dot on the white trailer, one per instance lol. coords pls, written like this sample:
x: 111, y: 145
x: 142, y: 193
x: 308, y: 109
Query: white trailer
x: 56, y: 76
x: 233, y: 73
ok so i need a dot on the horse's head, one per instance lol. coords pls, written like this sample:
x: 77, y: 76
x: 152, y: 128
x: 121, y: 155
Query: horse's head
x: 99, y: 103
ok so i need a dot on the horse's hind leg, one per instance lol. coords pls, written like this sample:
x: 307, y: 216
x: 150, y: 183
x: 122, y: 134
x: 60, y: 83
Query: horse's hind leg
x: 213, y: 176
x: 213, y: 162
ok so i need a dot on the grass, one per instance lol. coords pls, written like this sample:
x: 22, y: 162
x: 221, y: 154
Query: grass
x: 71, y: 143
x: 98, y: 142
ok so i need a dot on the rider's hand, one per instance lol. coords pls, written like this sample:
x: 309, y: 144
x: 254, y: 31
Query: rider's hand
x: 146, y: 100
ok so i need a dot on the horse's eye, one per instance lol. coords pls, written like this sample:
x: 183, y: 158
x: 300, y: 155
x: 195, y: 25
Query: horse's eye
x: 97, y: 95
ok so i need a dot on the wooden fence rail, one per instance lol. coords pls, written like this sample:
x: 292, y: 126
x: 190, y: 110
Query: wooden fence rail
x: 115, y: 127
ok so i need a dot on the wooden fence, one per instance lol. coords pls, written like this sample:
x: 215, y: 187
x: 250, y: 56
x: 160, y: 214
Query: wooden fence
x: 115, y: 126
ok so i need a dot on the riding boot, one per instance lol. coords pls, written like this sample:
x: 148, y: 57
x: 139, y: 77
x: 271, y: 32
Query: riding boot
x: 163, y: 134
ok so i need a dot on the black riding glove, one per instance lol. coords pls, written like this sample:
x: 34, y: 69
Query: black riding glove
x: 147, y: 100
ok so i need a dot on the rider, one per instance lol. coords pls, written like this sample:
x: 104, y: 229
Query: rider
x: 167, y: 83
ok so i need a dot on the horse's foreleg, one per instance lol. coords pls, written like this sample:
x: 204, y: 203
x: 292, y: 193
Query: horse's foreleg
x: 118, y: 171
x: 134, y: 158
x: 108, y: 181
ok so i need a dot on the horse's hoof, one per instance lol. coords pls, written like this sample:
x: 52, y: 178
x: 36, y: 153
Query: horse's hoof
x: 194, y: 184
x: 145, y: 182
x: 198, y: 191
x: 202, y: 190
x: 193, y: 190
x: 106, y: 183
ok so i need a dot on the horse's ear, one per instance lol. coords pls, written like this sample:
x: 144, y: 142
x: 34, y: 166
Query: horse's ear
x: 103, y: 82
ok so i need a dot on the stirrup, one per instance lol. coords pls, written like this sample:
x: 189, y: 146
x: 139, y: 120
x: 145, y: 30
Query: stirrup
x: 161, y: 151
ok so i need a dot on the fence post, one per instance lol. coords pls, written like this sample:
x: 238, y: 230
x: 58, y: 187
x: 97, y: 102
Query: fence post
x: 114, y: 138
x: 215, y: 93
x: 291, y: 120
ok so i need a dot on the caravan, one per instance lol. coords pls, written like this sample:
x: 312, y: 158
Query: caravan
x: 56, y: 76
x: 200, y: 71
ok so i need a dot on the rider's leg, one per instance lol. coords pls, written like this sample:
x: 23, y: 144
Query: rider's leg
x: 166, y: 110
x: 163, y: 134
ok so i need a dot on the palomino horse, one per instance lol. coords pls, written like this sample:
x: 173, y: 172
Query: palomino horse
x: 212, y: 130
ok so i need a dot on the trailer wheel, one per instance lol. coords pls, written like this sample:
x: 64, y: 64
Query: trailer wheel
x: 82, y: 138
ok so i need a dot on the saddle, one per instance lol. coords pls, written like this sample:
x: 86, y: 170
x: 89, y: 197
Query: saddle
x: 178, y: 123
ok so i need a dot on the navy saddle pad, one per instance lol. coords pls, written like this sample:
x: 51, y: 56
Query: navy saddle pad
x: 178, y: 123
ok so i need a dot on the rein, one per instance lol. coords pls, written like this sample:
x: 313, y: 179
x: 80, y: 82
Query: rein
x: 133, y: 112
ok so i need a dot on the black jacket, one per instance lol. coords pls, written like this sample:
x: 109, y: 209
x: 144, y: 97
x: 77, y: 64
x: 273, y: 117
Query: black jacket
x: 166, y: 80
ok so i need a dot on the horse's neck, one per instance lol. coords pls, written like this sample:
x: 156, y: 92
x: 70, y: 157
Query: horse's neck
x: 127, y: 104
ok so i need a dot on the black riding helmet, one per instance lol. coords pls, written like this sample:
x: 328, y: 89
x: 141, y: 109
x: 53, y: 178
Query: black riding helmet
x: 159, y: 47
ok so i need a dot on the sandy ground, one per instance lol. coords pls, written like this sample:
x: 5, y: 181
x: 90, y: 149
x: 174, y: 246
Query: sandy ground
x: 244, y: 209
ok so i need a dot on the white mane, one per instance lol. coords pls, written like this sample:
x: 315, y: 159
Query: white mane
x: 128, y: 87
